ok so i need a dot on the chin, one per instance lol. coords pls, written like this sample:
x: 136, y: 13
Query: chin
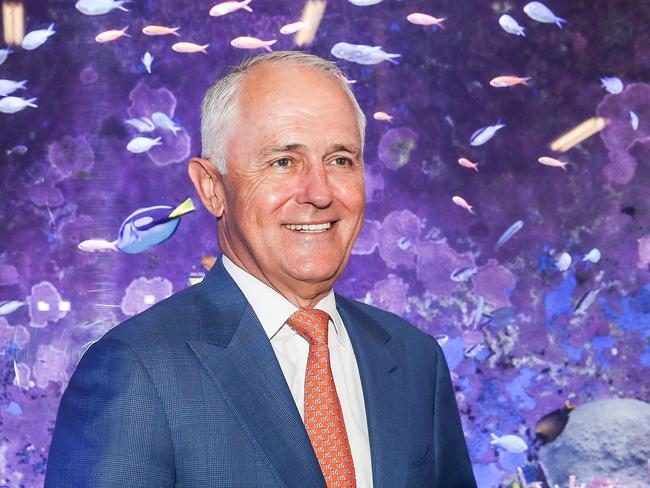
x: 313, y: 270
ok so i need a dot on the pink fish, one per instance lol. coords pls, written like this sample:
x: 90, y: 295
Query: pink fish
x: 160, y: 30
x: 293, y: 27
x: 189, y: 47
x: 504, y: 81
x: 227, y: 7
x: 111, y: 35
x: 425, y: 19
x: 461, y: 202
x: 468, y: 164
x: 552, y: 162
x: 383, y: 116
x: 245, y: 42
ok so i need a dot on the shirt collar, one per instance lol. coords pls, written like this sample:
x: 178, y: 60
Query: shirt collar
x: 272, y: 308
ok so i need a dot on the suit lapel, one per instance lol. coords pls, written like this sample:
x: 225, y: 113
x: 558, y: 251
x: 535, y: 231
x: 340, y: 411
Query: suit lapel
x: 234, y: 349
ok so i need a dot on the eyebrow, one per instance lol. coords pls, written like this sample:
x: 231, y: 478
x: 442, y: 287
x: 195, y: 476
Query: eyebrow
x: 276, y: 148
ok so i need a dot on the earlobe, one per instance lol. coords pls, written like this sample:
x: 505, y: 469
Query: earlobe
x: 207, y: 184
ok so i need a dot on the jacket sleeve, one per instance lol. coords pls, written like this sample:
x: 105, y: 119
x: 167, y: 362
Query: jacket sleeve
x: 452, y: 462
x: 111, y: 429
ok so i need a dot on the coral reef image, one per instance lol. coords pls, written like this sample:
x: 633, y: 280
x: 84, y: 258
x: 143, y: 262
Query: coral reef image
x: 507, y: 179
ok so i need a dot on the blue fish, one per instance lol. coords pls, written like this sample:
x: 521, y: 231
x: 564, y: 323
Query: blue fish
x: 511, y: 231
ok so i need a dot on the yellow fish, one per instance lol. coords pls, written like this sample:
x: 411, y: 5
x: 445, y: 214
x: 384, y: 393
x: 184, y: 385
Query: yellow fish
x: 507, y: 80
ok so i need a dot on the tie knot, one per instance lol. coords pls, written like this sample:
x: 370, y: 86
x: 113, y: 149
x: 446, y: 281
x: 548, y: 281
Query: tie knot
x: 311, y: 324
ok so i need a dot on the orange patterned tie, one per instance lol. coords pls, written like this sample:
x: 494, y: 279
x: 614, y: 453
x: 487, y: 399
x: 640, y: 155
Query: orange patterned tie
x: 323, y: 415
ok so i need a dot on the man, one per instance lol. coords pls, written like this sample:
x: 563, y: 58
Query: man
x: 261, y: 376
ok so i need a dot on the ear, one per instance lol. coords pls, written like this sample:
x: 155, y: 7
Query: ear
x: 208, y: 183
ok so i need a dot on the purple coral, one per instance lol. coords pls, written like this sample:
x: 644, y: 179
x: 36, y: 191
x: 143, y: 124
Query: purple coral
x: 8, y: 274
x: 436, y: 262
x: 45, y: 305
x: 391, y: 294
x: 396, y: 145
x: 142, y: 293
x: 368, y: 238
x: 16, y: 334
x: 494, y: 283
x: 71, y: 155
x: 400, y: 230
x: 50, y: 365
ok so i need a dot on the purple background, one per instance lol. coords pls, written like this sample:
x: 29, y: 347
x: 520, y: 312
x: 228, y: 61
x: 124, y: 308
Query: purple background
x: 77, y: 181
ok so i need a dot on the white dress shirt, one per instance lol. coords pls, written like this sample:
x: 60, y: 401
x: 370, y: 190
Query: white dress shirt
x: 273, y: 310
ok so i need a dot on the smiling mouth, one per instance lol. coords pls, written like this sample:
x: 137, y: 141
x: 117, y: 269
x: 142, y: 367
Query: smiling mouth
x: 311, y: 228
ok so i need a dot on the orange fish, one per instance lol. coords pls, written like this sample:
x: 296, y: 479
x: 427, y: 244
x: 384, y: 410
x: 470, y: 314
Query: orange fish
x: 111, y: 35
x: 507, y: 80
x: 425, y: 19
x: 160, y: 30
x: 383, y: 116
x: 461, y: 202
x: 189, y: 47
x: 552, y: 162
x: 468, y: 164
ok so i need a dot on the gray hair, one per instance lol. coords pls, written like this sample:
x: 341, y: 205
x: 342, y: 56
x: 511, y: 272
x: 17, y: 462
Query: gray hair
x: 220, y: 102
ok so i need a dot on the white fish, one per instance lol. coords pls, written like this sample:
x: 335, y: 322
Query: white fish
x: 613, y: 85
x: 463, y: 274
x: 142, y: 144
x: 511, y: 26
x: 461, y: 202
x: 634, y: 120
x: 147, y: 59
x: 4, y: 53
x: 510, y: 231
x: 11, y: 105
x: 37, y: 38
x: 9, y: 306
x: 510, y: 443
x: 190, y: 47
x: 484, y: 134
x: 593, y: 256
x: 586, y: 301
x: 10, y: 86
x: 293, y: 27
x: 563, y: 262
x: 164, y: 122
x: 442, y: 339
x: 227, y: 7
x: 111, y: 35
x: 362, y: 54
x: 541, y: 13
x: 99, y: 7
x: 474, y: 350
x: 246, y: 42
x: 91, y: 245
x: 364, y: 3
x: 143, y: 124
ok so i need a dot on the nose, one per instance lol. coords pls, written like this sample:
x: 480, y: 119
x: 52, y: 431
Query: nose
x: 314, y: 186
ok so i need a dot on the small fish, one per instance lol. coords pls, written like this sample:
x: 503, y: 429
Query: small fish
x: 18, y: 150
x: 362, y: 54
x: 442, y: 339
x: 461, y: 202
x: 556, y: 163
x: 246, y: 42
x: 551, y: 425
x: 474, y: 350
x: 468, y: 164
x: 593, y: 256
x: 382, y: 116
x: 364, y: 3
x: 511, y: 26
x: 37, y: 38
x: 586, y: 301
x: 160, y: 30
x: 425, y: 19
x: 502, y: 317
x: 147, y: 59
x: 189, y: 47
x: 508, y: 80
x: 11, y: 105
x: 99, y: 7
x: 484, y: 134
x: 613, y: 85
x: 541, y: 13
x: 142, y: 144
x: 111, y: 35
x: 9, y: 86
x: 92, y: 245
x: 4, y: 54
x: 10, y: 306
x: 143, y: 124
x: 227, y: 7
x: 510, y: 231
x: 634, y: 120
x: 463, y: 274
x: 510, y: 443
x: 164, y: 122
x: 563, y: 262
x: 293, y: 27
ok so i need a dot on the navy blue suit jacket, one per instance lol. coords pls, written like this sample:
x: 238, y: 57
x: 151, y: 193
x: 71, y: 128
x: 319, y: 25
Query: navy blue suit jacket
x: 189, y: 393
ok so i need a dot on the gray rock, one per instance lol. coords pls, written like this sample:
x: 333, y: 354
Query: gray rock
x: 604, y: 439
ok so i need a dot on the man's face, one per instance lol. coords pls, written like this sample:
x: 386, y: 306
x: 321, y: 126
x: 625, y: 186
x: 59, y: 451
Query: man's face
x: 294, y: 158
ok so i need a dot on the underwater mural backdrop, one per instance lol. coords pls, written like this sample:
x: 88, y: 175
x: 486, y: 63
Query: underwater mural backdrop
x: 522, y: 245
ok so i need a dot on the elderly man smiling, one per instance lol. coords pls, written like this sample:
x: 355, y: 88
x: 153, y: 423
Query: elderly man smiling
x: 260, y: 375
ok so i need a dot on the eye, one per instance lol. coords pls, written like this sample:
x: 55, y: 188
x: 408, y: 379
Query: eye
x: 342, y: 161
x: 282, y: 163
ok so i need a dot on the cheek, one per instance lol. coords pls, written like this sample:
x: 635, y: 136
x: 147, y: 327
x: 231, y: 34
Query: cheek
x: 351, y: 193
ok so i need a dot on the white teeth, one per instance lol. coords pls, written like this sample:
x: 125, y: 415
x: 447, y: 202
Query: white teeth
x: 309, y: 227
